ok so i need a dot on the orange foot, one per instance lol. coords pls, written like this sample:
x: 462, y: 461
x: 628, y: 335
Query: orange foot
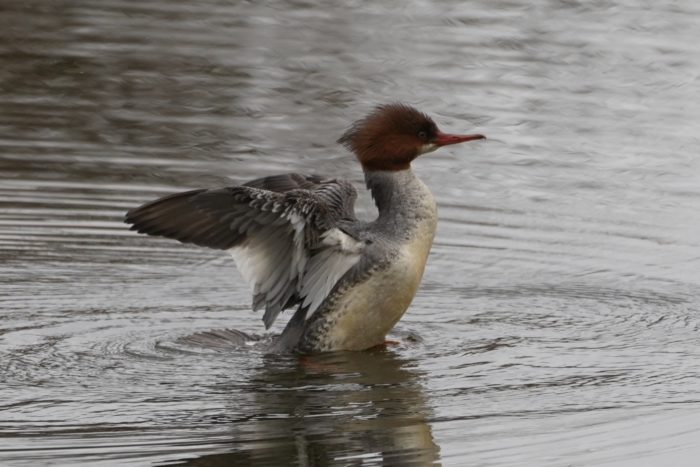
x: 386, y: 344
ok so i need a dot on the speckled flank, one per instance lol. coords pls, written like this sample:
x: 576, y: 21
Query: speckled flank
x: 359, y: 313
x: 366, y: 312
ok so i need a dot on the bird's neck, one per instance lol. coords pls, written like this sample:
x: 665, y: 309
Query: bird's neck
x: 401, y: 198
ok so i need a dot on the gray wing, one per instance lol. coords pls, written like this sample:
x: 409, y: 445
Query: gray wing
x: 282, y: 231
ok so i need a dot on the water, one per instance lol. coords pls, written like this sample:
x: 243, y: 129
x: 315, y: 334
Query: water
x: 557, y: 324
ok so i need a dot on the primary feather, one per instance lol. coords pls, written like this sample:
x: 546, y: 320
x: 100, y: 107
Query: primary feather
x: 284, y: 232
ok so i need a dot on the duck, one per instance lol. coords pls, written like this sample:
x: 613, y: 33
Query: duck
x: 296, y: 240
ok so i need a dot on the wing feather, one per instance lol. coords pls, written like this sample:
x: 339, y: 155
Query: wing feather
x: 282, y: 232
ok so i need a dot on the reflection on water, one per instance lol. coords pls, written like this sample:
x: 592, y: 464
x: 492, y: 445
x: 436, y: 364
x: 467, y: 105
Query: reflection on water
x: 343, y: 407
x: 558, y: 319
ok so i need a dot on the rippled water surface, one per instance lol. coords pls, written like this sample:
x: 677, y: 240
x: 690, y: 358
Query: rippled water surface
x: 558, y: 321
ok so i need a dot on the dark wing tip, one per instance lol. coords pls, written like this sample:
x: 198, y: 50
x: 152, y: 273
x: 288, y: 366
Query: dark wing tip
x: 177, y: 217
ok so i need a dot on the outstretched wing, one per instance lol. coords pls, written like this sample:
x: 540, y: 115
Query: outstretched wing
x: 284, y: 232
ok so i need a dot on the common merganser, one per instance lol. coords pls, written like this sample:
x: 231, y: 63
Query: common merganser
x: 296, y: 240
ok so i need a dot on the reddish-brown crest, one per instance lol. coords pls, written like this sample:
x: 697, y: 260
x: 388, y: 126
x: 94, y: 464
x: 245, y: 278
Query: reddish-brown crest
x: 390, y: 137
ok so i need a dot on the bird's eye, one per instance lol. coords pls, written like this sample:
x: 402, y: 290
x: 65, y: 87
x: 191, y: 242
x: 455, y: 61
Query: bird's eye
x: 422, y: 135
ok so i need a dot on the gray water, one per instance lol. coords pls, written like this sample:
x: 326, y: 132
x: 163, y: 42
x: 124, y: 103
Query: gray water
x: 558, y: 321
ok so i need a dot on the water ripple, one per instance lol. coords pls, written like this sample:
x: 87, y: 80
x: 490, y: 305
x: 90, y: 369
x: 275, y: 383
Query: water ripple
x: 557, y: 322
